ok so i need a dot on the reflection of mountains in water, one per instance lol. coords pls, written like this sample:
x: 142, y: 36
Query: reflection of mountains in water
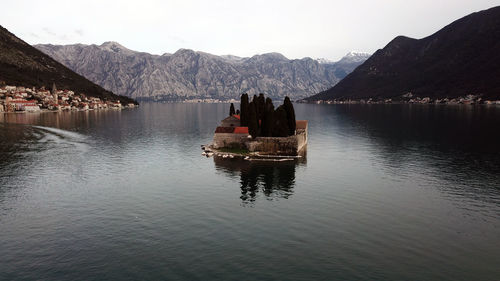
x: 453, y: 144
x: 272, y: 179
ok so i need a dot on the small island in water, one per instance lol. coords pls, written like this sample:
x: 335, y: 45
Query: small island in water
x: 258, y: 131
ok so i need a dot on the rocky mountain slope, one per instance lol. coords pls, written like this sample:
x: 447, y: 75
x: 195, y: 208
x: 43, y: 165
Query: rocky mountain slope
x: 23, y: 65
x: 462, y: 58
x: 187, y: 74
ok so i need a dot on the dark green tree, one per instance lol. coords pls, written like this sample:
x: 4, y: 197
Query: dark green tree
x: 261, y: 102
x: 244, y: 110
x: 254, y: 99
x: 290, y: 116
x: 231, y: 110
x: 268, y: 119
x: 255, y: 102
x: 280, y: 128
x: 253, y: 123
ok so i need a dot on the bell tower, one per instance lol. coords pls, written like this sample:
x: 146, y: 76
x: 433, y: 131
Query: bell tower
x: 54, y: 93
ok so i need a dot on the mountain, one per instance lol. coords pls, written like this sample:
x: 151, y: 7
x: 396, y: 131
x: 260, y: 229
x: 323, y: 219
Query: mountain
x: 187, y: 74
x: 460, y: 59
x: 23, y: 65
x: 346, y: 64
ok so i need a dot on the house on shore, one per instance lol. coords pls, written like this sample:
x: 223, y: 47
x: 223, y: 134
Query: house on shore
x: 231, y: 121
x: 25, y: 105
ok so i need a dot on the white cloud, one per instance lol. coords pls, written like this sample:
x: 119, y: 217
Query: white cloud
x: 315, y: 28
x: 79, y: 32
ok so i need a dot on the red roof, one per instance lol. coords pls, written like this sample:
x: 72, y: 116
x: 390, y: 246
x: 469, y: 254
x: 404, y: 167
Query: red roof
x: 241, y: 130
x: 224, y: 130
x: 237, y: 116
x: 23, y: 101
x: 301, y: 124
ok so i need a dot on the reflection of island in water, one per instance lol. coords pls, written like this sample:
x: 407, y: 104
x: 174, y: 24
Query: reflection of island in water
x: 272, y: 179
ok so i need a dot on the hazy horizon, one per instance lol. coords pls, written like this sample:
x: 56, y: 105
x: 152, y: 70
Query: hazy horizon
x: 296, y: 29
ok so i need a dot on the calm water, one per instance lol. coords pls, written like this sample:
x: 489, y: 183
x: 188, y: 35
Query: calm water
x: 386, y: 192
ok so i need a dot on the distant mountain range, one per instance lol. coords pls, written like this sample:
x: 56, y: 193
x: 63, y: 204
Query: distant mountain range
x: 23, y: 65
x: 462, y: 58
x: 187, y: 74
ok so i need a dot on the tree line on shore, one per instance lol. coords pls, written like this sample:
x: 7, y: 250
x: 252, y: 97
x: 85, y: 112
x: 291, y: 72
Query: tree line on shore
x: 263, y: 120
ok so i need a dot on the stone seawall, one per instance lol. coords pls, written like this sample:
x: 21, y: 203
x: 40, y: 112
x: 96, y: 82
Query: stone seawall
x: 291, y: 145
x: 230, y: 140
x: 301, y: 139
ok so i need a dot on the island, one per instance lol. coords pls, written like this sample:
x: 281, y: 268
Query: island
x: 259, y: 131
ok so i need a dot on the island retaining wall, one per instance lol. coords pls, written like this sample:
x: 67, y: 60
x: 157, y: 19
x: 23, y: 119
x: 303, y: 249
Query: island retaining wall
x: 291, y: 145
x: 230, y: 140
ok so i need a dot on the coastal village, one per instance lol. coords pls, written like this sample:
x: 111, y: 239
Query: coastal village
x: 24, y: 99
x: 410, y: 98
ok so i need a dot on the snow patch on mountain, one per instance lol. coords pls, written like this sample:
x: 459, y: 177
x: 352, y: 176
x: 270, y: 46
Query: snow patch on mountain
x: 351, y: 57
x: 354, y: 56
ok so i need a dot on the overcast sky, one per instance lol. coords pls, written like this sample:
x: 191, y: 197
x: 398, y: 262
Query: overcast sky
x: 309, y: 28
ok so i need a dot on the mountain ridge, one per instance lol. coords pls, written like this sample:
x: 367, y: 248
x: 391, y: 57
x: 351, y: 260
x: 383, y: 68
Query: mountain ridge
x: 188, y: 74
x: 460, y: 59
x: 23, y: 65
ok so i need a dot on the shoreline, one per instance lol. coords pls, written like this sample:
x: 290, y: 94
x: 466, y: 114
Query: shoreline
x: 325, y: 102
x: 209, y: 151
x: 399, y: 103
x: 466, y: 102
x: 59, y: 111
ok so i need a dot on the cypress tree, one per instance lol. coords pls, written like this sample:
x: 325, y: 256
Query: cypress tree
x: 290, y: 116
x: 253, y: 128
x: 261, y: 102
x: 255, y: 102
x: 268, y: 119
x: 263, y: 125
x: 254, y: 99
x: 280, y: 128
x: 244, y: 110
x: 231, y: 110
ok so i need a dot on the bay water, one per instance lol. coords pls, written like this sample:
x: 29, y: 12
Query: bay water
x: 384, y: 192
